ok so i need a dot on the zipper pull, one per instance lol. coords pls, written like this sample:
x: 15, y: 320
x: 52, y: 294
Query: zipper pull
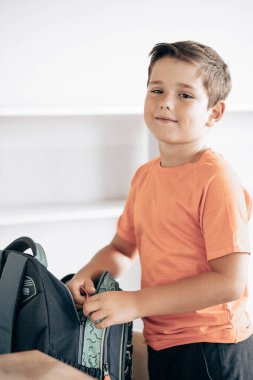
x: 106, y: 372
x: 82, y: 320
x: 84, y: 292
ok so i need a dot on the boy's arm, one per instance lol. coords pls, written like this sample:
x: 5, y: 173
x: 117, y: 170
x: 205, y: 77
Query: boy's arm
x: 224, y: 283
x: 115, y: 258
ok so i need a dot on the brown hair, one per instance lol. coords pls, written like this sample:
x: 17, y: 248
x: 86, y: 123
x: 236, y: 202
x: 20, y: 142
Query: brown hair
x: 217, y: 80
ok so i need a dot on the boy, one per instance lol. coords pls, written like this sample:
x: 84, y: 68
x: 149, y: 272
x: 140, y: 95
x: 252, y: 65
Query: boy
x: 187, y: 215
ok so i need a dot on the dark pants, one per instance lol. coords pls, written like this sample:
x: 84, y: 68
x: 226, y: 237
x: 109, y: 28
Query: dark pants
x: 203, y: 361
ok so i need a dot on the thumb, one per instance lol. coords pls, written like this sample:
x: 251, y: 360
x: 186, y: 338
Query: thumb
x: 88, y: 285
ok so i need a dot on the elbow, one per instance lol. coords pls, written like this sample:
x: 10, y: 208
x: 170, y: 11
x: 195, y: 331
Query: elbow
x: 234, y: 290
x: 237, y: 293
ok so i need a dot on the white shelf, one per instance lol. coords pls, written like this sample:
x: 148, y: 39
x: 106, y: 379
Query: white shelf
x: 239, y: 107
x: 95, y: 210
x: 68, y: 111
x: 80, y: 111
x: 92, y: 111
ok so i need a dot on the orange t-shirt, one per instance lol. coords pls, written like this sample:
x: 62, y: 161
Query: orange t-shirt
x: 180, y: 218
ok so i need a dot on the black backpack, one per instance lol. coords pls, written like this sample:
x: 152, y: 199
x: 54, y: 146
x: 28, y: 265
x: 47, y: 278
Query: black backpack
x: 37, y: 311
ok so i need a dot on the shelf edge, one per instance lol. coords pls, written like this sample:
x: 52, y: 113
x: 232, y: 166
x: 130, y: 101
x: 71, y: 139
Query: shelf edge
x: 92, y: 111
x: 68, y: 111
x: 104, y: 211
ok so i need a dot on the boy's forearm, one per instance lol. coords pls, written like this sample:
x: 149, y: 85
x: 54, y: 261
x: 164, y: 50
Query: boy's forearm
x: 107, y: 259
x: 187, y: 295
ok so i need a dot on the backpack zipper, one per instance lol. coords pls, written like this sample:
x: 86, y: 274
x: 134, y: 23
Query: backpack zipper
x: 81, y: 321
x: 106, y: 372
x: 81, y: 337
x: 104, y: 358
x: 72, y: 301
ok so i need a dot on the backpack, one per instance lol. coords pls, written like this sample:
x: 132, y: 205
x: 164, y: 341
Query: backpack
x: 37, y: 311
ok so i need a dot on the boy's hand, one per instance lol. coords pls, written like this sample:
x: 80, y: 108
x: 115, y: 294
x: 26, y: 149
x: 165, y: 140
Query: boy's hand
x: 110, y: 308
x: 76, y: 284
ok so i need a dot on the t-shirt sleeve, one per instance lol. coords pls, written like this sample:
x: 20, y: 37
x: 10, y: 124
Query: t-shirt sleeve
x: 125, y: 224
x: 225, y: 213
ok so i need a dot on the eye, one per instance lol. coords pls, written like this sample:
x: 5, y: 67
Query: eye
x: 185, y: 96
x: 157, y: 91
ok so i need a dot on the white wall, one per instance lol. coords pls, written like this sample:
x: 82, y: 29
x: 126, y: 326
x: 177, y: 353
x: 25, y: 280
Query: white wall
x: 79, y: 53
x: 94, y: 53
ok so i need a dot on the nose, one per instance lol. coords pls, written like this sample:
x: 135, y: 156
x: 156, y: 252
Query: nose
x: 166, y: 103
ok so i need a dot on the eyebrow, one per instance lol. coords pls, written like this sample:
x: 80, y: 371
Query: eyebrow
x: 178, y: 84
x: 156, y: 82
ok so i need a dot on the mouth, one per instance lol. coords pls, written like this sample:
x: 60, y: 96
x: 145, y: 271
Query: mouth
x: 165, y: 119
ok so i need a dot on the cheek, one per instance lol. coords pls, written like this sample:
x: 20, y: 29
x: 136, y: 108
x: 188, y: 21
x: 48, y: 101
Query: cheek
x: 146, y: 103
x: 196, y: 120
x: 191, y: 113
x: 147, y: 109
x: 146, y: 118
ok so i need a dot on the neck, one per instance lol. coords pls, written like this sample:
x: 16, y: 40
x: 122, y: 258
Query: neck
x: 179, y: 154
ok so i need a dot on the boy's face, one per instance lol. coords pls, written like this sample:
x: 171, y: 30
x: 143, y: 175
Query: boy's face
x: 176, y: 102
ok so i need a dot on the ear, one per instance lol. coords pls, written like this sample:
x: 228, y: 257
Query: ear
x: 215, y: 113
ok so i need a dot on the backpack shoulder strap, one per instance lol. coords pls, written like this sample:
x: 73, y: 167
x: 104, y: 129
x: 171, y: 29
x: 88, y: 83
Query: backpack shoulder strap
x: 1, y: 257
x: 23, y: 243
x: 10, y: 284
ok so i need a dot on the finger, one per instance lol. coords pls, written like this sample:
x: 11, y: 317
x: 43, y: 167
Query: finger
x: 102, y: 324
x: 97, y: 316
x: 84, y: 292
x: 88, y: 285
x: 90, y: 307
x: 95, y: 298
x: 78, y: 298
